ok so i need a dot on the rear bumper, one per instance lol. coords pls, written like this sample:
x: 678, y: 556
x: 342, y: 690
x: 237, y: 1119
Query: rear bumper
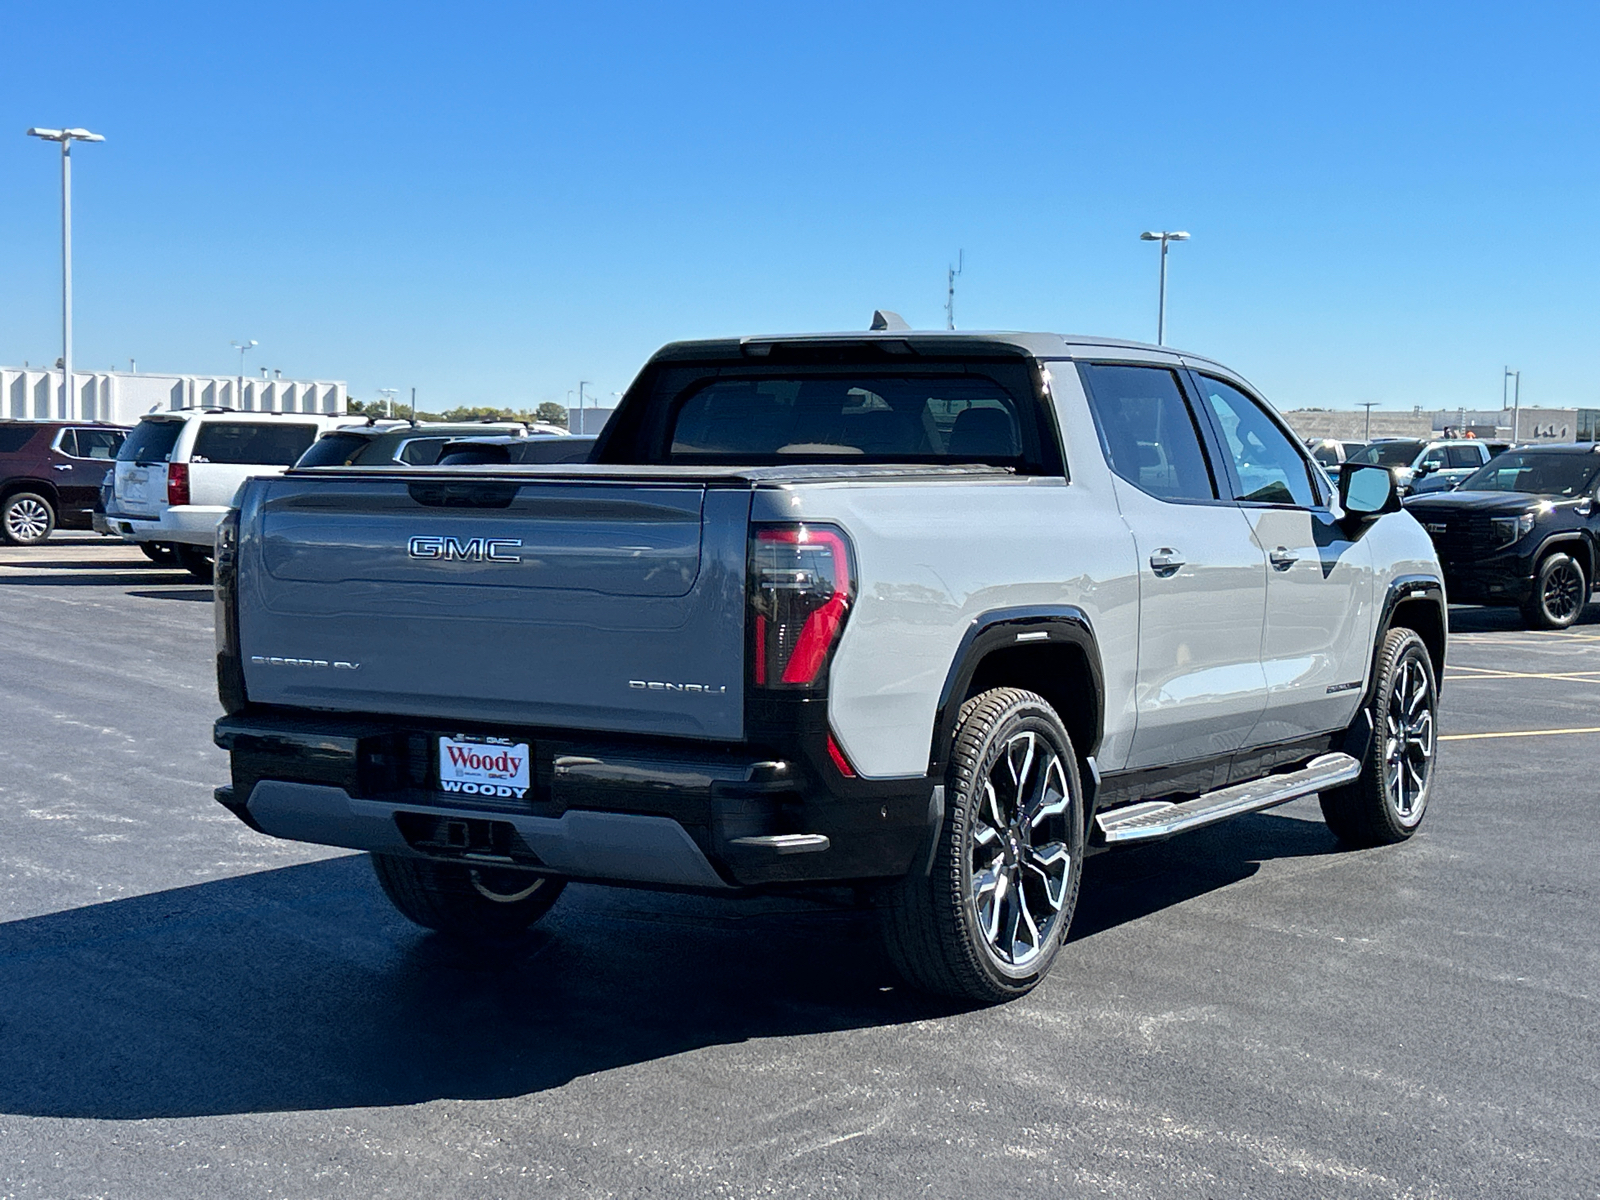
x: 644, y: 811
x: 191, y: 524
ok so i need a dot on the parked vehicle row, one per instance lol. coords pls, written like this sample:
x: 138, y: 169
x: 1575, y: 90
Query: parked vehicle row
x: 930, y: 615
x: 50, y: 474
x: 1522, y: 530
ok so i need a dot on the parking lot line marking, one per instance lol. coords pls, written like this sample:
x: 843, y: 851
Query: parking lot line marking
x: 1513, y: 733
x: 1457, y: 674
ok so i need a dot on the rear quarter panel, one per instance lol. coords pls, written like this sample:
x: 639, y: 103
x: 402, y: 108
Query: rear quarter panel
x: 935, y: 557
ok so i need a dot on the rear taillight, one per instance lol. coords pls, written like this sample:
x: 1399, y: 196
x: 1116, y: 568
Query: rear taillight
x: 177, y: 483
x: 802, y: 583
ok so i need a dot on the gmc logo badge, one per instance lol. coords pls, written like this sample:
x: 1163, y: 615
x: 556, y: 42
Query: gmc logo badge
x: 471, y: 550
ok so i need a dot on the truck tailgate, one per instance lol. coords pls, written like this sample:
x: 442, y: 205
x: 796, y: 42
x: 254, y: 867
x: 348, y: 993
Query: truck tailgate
x: 582, y: 604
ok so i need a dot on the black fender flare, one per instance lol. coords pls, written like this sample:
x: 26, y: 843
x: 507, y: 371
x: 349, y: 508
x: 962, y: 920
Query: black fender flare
x: 1402, y: 588
x: 1003, y: 628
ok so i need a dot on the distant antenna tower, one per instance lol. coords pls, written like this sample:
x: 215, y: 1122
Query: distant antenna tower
x: 950, y: 290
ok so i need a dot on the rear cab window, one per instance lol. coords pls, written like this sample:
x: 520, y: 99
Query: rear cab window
x: 151, y: 442
x: 276, y: 444
x: 975, y: 412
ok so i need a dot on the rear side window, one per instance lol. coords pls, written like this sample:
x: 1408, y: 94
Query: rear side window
x: 334, y: 450
x: 849, y: 419
x: 1148, y: 431
x: 422, y: 452
x: 275, y: 445
x: 92, y: 443
x: 14, y: 438
x: 150, y: 442
x: 1464, y: 456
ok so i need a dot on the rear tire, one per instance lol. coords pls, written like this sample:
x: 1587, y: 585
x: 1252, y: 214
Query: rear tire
x: 194, y: 560
x: 27, y: 519
x: 986, y: 922
x: 1560, y: 593
x: 163, y: 554
x: 482, y: 904
x: 1387, y: 801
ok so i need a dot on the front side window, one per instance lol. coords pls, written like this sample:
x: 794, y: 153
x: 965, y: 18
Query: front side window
x: 264, y: 444
x: 1270, y: 469
x: 334, y: 450
x: 1148, y: 430
x: 1433, y: 460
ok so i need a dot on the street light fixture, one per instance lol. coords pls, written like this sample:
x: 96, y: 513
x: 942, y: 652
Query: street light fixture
x: 1163, y: 236
x: 66, y: 137
x: 242, y: 347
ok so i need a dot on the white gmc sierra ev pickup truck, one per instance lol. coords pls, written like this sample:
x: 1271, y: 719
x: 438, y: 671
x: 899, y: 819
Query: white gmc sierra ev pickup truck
x: 931, y: 615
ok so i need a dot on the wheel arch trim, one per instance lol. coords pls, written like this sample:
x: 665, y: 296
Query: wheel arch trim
x: 998, y: 630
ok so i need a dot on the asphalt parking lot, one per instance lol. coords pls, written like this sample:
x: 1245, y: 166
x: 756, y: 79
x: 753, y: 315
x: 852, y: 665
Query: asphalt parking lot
x: 191, y: 1009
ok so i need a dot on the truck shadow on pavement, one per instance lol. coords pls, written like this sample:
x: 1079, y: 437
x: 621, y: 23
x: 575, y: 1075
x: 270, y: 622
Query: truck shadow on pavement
x: 299, y: 989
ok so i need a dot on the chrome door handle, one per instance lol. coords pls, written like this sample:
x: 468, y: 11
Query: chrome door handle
x: 1166, y: 561
x: 62, y: 466
x: 1283, y: 558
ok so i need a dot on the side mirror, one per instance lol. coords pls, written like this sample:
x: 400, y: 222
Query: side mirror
x: 1367, y: 492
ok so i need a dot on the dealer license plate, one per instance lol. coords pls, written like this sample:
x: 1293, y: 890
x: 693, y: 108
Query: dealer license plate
x: 483, y: 768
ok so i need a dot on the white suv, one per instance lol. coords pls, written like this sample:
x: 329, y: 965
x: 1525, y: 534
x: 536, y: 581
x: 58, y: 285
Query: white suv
x: 177, y: 472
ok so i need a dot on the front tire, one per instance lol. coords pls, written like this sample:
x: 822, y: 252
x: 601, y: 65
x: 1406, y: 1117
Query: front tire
x: 195, y: 560
x: 986, y: 922
x: 1560, y: 593
x: 27, y: 519
x: 1387, y: 801
x: 482, y: 904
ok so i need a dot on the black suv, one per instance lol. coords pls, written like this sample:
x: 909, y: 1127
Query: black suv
x: 1523, y: 529
x: 50, y: 474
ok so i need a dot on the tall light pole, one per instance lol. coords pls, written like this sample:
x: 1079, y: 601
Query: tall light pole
x: 1516, y: 410
x: 1369, y: 405
x: 66, y: 137
x: 950, y: 289
x: 1163, y: 236
x: 582, y: 383
x: 242, y: 347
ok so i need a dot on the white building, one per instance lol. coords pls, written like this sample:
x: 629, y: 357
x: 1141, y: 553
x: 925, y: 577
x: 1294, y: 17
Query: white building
x: 122, y: 397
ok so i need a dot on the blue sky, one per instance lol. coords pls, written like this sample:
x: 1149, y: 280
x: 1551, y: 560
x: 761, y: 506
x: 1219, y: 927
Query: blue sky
x: 1389, y: 202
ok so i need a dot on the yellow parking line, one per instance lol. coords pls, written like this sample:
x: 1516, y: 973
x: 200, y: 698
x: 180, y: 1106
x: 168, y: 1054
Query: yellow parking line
x: 1475, y: 737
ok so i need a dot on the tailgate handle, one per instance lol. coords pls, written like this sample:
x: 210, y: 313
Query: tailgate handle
x: 464, y: 495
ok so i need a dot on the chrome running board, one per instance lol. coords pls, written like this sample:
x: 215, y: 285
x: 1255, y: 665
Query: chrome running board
x: 1154, y: 819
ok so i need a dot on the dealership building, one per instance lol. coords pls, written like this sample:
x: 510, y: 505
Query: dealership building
x: 122, y: 397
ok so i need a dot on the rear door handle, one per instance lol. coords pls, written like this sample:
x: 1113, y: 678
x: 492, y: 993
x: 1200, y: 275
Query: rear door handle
x: 1283, y: 558
x: 1166, y: 561
x: 62, y: 466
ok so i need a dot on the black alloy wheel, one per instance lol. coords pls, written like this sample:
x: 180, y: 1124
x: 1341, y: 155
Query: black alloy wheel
x: 986, y: 921
x: 27, y: 519
x: 1387, y: 801
x: 1560, y: 593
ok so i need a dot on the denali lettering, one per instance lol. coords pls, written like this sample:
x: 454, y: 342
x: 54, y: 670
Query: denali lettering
x: 472, y: 550
x: 654, y: 685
